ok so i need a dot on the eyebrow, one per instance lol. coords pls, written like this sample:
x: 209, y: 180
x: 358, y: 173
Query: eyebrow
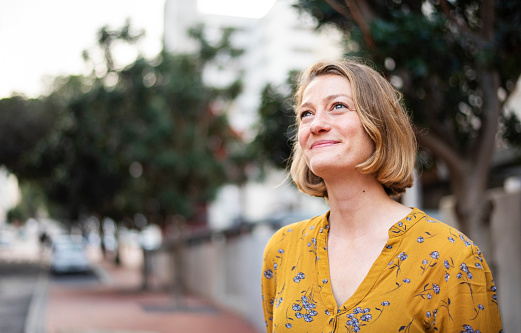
x: 326, y: 99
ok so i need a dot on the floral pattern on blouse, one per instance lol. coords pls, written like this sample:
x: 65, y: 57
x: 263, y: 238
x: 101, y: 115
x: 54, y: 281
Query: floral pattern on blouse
x: 429, y: 277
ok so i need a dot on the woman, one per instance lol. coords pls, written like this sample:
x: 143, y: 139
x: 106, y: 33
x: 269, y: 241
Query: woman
x: 370, y: 264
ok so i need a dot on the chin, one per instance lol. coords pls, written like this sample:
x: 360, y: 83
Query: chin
x: 325, y: 169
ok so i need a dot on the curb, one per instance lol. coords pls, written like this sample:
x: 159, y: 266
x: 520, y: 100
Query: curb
x: 35, y: 320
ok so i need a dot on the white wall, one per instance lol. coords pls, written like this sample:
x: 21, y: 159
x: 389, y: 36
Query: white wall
x: 9, y: 193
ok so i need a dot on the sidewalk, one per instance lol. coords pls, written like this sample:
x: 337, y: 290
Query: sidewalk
x: 119, y: 305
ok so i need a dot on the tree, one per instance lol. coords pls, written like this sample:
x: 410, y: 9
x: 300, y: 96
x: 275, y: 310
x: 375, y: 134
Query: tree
x: 150, y: 138
x: 275, y: 131
x: 456, y: 63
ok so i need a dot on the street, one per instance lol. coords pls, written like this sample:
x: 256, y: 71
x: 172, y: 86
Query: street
x: 108, y: 299
x: 17, y: 284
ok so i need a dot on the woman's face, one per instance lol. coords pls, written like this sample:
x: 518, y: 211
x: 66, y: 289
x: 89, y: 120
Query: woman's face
x: 331, y: 134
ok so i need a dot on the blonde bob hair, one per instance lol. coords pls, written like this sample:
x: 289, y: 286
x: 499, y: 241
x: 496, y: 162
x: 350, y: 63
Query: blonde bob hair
x: 382, y: 112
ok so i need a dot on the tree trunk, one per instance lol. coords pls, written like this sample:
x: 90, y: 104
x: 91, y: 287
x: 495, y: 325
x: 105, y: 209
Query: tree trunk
x: 473, y: 209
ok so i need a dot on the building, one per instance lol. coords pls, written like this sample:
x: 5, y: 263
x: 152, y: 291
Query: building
x: 280, y: 41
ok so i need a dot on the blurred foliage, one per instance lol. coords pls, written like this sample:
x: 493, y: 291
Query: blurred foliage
x: 456, y: 63
x: 32, y: 204
x: 150, y: 138
x: 435, y: 52
x: 275, y: 129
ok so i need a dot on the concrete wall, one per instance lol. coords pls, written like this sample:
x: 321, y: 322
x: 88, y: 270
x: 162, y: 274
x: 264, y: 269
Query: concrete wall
x: 224, y: 268
x: 505, y: 259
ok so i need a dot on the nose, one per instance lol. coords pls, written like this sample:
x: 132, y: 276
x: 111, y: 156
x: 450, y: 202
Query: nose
x: 320, y: 123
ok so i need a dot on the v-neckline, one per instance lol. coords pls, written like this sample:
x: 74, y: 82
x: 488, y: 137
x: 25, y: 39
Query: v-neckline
x: 388, y: 252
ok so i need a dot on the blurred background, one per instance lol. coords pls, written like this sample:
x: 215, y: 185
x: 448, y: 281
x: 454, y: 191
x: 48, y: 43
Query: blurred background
x: 144, y: 146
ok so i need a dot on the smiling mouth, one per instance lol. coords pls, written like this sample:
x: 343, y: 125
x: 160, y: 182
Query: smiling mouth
x: 322, y: 144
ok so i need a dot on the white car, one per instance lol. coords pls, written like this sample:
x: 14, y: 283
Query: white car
x: 69, y: 256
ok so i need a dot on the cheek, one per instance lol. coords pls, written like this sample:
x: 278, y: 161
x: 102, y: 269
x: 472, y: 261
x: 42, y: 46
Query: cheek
x: 302, y: 136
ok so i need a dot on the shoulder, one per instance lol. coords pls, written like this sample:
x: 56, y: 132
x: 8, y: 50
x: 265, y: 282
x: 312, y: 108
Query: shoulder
x: 431, y: 233
x: 287, y: 235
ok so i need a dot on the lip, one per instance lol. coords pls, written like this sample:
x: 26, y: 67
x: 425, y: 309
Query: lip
x: 323, y: 143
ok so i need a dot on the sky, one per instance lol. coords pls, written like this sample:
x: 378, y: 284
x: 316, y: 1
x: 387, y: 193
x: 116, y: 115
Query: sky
x: 41, y: 39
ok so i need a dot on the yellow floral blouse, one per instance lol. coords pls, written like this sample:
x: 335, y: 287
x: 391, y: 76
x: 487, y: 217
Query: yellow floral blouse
x: 429, y: 277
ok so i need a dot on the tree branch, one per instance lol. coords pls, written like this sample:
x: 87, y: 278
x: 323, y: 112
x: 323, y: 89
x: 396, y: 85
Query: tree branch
x: 440, y: 149
x: 361, y: 21
x: 488, y: 18
x: 339, y: 9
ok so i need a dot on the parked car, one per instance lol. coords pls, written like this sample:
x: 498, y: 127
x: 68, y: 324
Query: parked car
x: 69, y: 256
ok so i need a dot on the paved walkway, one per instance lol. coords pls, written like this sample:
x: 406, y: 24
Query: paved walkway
x: 119, y: 305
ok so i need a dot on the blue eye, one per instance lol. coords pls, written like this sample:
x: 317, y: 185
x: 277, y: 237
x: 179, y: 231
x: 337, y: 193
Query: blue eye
x: 305, y: 114
x: 340, y: 105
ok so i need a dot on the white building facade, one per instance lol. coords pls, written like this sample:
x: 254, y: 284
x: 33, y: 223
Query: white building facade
x: 281, y: 41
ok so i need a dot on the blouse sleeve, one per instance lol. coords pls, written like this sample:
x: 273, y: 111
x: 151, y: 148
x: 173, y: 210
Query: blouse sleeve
x: 471, y: 303
x: 268, y: 283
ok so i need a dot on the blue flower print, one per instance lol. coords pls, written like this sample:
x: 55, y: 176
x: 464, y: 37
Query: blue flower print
x: 268, y: 273
x: 435, y: 288
x: 480, y: 308
x: 360, y: 317
x: 466, y: 275
x: 327, y: 313
x: 300, y: 276
x: 401, y: 257
x: 275, y: 266
x: 469, y: 329
x: 426, y: 293
x: 426, y: 264
x: 278, y: 302
x: 466, y: 241
x: 281, y: 251
x: 451, y: 239
x: 367, y: 317
x: 305, y: 309
x: 447, y: 276
x: 288, y: 325
x: 428, y: 314
x: 478, y: 265
x: 422, y: 239
x: 398, y: 285
x: 324, y: 281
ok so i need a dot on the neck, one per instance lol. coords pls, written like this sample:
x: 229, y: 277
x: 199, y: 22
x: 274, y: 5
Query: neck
x: 360, y: 207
